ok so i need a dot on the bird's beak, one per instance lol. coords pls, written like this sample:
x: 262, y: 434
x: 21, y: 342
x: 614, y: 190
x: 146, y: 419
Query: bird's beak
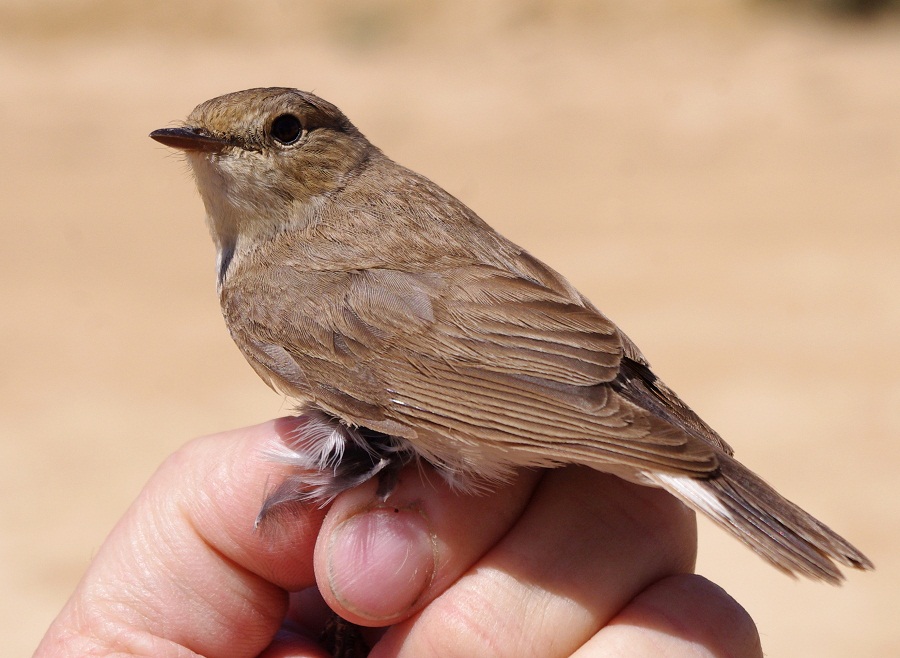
x: 189, y: 139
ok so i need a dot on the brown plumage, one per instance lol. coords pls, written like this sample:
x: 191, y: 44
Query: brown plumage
x: 409, y: 329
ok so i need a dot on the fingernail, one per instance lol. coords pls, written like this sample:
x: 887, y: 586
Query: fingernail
x: 381, y: 561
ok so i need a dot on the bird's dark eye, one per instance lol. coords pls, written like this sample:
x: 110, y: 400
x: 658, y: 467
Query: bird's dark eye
x: 286, y: 129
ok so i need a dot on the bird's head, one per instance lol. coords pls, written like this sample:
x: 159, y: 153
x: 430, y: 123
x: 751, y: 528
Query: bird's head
x: 263, y: 159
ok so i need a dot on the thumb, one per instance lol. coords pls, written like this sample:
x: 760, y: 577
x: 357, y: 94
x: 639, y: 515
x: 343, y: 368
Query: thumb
x: 378, y: 563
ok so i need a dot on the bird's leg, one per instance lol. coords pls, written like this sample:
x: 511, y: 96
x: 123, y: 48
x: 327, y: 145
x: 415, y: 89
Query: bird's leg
x: 343, y: 639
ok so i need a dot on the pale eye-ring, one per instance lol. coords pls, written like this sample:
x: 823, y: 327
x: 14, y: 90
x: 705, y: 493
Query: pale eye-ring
x: 286, y: 129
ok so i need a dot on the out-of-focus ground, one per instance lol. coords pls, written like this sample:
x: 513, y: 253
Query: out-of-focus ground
x: 721, y: 179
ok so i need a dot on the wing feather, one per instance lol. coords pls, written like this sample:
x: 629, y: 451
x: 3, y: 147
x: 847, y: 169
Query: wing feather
x: 478, y: 358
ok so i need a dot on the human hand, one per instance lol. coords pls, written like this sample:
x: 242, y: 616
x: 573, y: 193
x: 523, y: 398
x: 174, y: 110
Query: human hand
x: 568, y: 562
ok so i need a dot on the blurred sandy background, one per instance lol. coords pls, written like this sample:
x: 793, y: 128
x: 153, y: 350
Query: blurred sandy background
x: 740, y: 162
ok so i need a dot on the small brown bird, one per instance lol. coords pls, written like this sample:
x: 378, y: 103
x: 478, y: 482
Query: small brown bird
x: 411, y: 330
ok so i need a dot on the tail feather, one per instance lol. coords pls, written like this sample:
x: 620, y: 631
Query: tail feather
x: 779, y: 531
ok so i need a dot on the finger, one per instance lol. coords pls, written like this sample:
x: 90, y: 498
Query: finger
x: 683, y: 615
x: 586, y: 545
x: 378, y: 563
x: 184, y: 567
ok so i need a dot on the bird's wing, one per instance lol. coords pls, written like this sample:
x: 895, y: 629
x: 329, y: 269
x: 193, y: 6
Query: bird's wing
x: 477, y: 356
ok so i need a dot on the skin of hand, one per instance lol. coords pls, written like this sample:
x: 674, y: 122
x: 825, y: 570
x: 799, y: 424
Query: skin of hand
x: 568, y: 562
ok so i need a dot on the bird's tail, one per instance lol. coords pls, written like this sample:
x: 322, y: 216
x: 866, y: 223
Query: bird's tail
x: 742, y: 503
